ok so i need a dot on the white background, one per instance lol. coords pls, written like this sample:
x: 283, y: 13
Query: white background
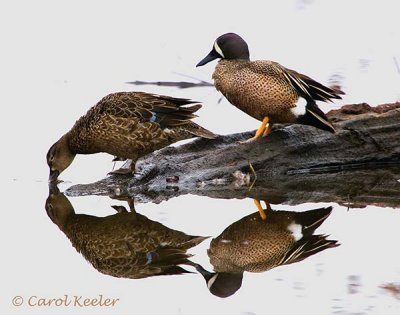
x: 58, y: 58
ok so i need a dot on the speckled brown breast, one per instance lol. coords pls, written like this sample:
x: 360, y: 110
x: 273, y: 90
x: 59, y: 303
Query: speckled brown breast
x: 256, y: 88
x: 251, y: 244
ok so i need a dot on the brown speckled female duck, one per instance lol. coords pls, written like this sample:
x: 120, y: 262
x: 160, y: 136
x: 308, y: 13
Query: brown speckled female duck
x: 266, y: 90
x: 125, y: 244
x: 128, y: 125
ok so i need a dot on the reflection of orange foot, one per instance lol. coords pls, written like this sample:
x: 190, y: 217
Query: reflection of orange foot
x: 260, y: 209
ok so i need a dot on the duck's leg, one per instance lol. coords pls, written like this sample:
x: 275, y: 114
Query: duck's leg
x: 119, y: 209
x: 122, y: 209
x: 267, y: 130
x: 117, y: 158
x: 260, y: 209
x: 260, y: 131
x: 267, y: 205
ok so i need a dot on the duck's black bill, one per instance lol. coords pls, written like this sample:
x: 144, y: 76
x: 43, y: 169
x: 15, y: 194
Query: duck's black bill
x: 210, y: 57
x: 53, y: 176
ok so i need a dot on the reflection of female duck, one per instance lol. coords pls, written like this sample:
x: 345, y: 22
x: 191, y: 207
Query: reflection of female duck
x: 252, y: 244
x: 125, y: 244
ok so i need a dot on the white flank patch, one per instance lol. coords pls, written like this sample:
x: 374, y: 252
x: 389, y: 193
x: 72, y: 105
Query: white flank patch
x: 218, y: 50
x: 296, y: 231
x: 211, y: 281
x: 166, y: 130
x: 300, y: 108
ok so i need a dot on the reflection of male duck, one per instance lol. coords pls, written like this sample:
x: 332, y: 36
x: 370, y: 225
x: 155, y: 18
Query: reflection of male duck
x: 255, y: 245
x: 126, y: 244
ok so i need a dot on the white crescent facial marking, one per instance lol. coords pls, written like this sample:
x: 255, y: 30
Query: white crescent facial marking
x: 300, y: 108
x: 295, y: 229
x: 218, y: 50
x: 212, y: 280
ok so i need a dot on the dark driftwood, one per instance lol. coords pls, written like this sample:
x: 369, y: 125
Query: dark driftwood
x: 177, y: 84
x: 358, y: 166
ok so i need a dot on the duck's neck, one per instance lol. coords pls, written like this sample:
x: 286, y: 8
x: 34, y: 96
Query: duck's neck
x: 67, y: 143
x: 78, y: 141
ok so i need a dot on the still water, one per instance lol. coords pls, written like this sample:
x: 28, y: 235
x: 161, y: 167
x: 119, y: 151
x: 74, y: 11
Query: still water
x: 61, y: 59
x: 118, y: 248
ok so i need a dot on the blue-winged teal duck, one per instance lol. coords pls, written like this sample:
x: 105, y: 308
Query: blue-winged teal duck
x: 125, y: 244
x: 254, y: 245
x: 128, y: 125
x: 266, y: 90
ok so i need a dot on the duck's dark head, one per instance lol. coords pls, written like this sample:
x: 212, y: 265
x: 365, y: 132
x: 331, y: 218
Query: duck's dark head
x: 59, y: 157
x: 227, y: 46
x: 221, y: 284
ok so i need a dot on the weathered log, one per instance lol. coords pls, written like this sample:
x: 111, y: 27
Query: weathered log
x: 358, y: 165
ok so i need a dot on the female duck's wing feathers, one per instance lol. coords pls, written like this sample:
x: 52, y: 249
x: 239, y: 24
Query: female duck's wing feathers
x: 164, y: 260
x: 165, y: 110
x: 131, y: 121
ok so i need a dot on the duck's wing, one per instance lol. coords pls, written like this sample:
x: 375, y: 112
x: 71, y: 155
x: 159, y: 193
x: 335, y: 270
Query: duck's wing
x: 306, y: 247
x: 308, y: 87
x: 302, y: 84
x: 163, y: 260
x: 166, y: 110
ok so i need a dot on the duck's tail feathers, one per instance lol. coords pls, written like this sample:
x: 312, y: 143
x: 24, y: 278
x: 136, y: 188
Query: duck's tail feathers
x: 166, y: 260
x: 198, y: 131
x: 315, y: 117
x: 174, y: 118
x: 193, y: 241
x: 310, y: 220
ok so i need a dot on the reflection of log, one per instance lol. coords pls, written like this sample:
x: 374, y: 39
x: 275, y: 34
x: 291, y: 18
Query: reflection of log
x: 294, y: 164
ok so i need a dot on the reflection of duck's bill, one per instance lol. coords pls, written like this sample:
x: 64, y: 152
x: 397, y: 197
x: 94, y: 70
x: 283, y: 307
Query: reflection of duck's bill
x: 221, y: 284
x: 53, y: 176
x: 53, y: 189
